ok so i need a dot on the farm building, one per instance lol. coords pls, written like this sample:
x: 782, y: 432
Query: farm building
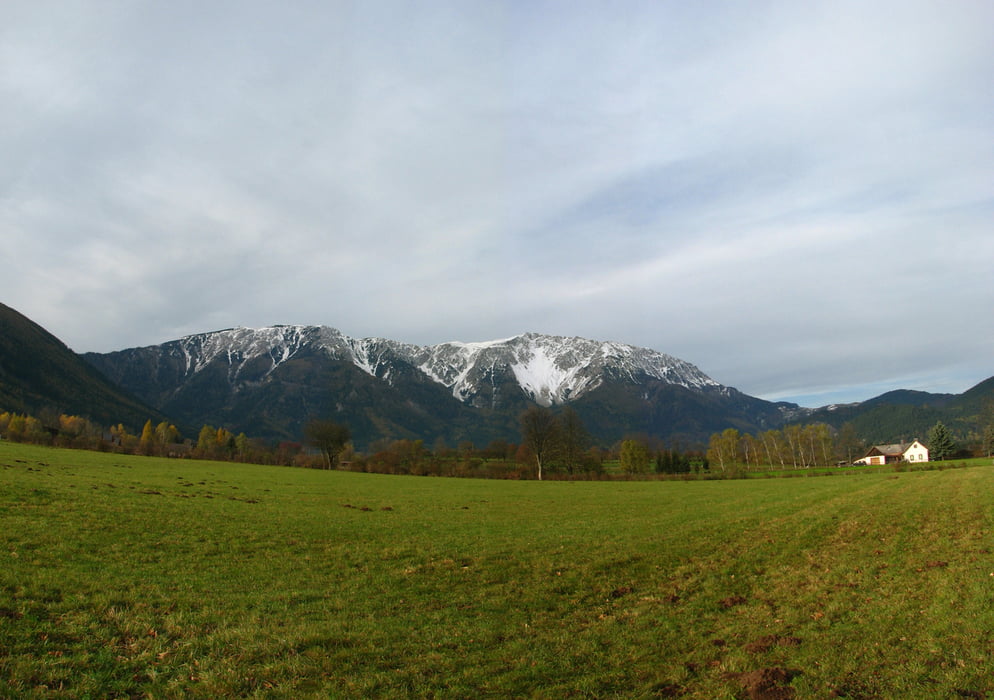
x: 913, y: 451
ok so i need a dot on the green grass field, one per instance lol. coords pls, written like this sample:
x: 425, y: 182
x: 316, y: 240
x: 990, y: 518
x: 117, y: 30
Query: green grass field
x: 142, y: 577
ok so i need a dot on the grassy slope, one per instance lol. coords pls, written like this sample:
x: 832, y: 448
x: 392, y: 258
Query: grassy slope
x: 125, y: 575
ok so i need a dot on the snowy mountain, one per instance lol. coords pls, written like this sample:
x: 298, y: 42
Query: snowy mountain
x: 271, y: 380
x: 549, y: 370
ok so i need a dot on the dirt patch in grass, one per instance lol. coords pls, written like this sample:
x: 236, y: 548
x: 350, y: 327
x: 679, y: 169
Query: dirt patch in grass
x: 767, y: 642
x: 668, y: 690
x: 767, y: 683
x: 622, y: 591
x: 731, y: 601
x: 854, y: 687
x: 8, y: 614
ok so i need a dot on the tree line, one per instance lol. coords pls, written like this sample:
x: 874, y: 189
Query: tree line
x: 162, y: 440
x: 813, y: 445
x: 793, y: 447
x: 553, y: 444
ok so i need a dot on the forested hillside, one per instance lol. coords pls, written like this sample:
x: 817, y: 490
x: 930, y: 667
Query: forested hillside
x: 40, y: 375
x: 906, y: 415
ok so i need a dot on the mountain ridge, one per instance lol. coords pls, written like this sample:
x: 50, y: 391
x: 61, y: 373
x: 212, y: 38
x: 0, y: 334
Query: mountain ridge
x: 269, y: 382
x: 550, y: 369
x: 490, y: 382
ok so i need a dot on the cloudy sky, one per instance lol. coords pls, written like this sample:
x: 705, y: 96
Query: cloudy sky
x: 798, y: 197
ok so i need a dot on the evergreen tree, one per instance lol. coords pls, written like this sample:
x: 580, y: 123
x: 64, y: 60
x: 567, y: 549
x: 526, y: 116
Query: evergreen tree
x: 664, y: 462
x: 940, y: 442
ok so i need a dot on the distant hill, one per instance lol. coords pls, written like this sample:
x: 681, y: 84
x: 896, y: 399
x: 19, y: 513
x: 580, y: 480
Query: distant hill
x: 40, y: 375
x: 904, y: 415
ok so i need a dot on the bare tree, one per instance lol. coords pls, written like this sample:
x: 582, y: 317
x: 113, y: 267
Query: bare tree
x: 329, y: 437
x: 574, y: 439
x: 540, y: 434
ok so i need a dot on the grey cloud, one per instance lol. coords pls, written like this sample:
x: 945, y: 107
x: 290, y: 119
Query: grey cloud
x: 758, y: 189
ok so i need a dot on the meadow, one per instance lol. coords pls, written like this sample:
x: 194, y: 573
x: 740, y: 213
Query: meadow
x: 143, y: 577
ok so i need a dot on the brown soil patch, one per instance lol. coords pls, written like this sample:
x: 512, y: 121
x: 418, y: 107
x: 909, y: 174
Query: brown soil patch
x: 767, y: 642
x: 667, y: 690
x: 768, y: 683
x: 731, y: 601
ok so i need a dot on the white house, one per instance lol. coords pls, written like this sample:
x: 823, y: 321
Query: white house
x: 899, y: 452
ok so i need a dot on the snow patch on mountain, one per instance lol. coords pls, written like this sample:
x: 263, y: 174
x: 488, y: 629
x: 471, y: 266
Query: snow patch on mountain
x: 548, y: 380
x: 367, y: 356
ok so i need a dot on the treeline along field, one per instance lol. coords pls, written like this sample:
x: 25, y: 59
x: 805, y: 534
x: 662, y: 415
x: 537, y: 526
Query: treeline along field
x: 148, y: 577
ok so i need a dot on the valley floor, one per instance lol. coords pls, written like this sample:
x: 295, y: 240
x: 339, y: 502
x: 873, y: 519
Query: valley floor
x: 131, y: 576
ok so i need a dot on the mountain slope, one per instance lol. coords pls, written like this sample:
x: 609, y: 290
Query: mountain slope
x: 552, y: 369
x: 39, y: 374
x: 903, y: 415
x: 271, y: 381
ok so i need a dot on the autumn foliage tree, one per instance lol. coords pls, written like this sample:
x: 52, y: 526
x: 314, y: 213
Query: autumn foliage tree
x: 634, y: 457
x: 794, y: 446
x: 723, y: 449
x: 147, y: 441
